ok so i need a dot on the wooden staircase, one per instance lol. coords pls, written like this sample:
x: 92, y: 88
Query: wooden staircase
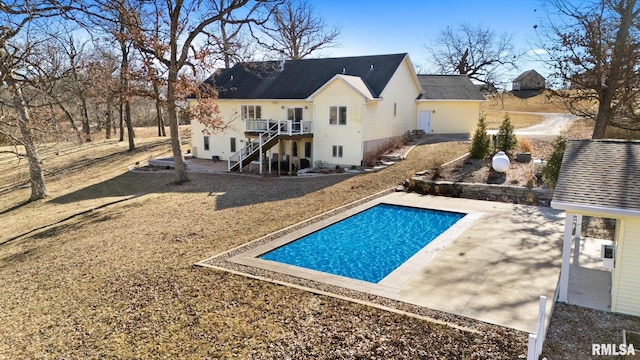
x: 253, y: 149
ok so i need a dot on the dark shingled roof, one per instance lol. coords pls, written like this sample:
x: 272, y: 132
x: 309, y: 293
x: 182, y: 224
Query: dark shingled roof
x: 301, y: 78
x: 600, y: 173
x: 448, y: 87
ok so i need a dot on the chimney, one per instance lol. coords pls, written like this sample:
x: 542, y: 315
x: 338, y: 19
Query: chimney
x: 281, y: 60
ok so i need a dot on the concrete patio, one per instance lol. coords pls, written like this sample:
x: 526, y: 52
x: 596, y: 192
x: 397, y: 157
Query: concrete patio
x: 589, y: 282
x: 492, y: 266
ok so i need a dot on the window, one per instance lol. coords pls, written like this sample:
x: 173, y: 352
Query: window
x: 232, y: 144
x: 206, y: 143
x: 251, y: 112
x: 338, y: 115
x: 395, y: 109
x: 337, y: 151
x: 307, y: 149
x: 294, y: 114
x: 294, y: 149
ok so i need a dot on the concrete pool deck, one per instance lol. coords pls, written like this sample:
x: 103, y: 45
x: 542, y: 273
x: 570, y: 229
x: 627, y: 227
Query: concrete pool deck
x: 491, y: 266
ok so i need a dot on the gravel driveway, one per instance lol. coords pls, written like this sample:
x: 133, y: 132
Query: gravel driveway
x: 553, y: 125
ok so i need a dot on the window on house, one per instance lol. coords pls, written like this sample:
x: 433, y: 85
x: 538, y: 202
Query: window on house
x: 294, y: 149
x: 338, y: 115
x: 206, y: 143
x: 307, y: 149
x: 395, y: 109
x: 337, y: 151
x: 251, y: 112
x: 232, y: 144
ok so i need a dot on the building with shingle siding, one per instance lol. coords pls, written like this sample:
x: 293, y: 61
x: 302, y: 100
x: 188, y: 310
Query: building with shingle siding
x: 529, y: 80
x: 332, y: 111
x: 601, y: 178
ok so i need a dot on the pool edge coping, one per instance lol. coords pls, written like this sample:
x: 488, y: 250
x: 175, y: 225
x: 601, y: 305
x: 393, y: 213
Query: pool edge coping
x: 356, y: 296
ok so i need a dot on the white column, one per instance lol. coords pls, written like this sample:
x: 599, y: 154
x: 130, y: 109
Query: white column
x: 566, y: 259
x: 577, y: 249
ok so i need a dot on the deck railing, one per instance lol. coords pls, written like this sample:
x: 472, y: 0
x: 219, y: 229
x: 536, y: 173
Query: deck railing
x: 288, y: 127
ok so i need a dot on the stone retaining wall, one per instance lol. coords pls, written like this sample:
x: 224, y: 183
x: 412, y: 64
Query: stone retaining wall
x: 491, y: 192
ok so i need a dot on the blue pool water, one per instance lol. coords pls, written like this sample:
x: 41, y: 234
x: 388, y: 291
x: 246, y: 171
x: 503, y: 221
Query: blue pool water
x: 368, y: 245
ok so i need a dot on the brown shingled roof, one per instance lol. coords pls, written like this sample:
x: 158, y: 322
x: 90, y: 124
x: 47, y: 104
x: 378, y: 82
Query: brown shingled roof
x: 600, y: 173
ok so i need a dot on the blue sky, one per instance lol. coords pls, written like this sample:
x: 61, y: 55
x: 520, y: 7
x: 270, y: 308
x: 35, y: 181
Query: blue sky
x: 384, y: 27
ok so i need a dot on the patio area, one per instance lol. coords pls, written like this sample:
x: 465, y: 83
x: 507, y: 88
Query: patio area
x: 589, y: 281
x: 492, y: 266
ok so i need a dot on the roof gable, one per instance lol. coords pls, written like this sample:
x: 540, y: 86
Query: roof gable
x: 354, y: 82
x: 599, y: 174
x: 299, y: 79
x: 448, y: 87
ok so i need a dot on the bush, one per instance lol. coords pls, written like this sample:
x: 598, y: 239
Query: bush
x: 507, y: 140
x: 525, y: 145
x: 480, y: 141
x: 551, y: 168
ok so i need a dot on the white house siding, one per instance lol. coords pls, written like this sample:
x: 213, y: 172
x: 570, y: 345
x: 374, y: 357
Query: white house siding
x: 382, y: 124
x: 338, y: 93
x: 626, y: 279
x: 450, y: 117
x: 219, y: 143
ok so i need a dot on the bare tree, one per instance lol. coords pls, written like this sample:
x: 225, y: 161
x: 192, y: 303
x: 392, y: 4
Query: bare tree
x: 297, y: 31
x: 46, y: 71
x: 110, y: 16
x: 19, y: 18
x: 168, y: 31
x: 594, y: 48
x: 477, y: 52
x: 102, y: 70
x: 228, y: 40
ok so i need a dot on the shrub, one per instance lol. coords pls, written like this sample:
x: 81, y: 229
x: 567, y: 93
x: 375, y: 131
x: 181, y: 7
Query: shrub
x: 507, y: 140
x: 525, y: 145
x: 480, y: 141
x: 551, y: 168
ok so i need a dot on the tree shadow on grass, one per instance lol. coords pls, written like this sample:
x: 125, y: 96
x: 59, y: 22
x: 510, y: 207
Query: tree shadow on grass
x: 230, y: 190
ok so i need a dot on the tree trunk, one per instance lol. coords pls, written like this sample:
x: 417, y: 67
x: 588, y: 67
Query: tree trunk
x: 121, y: 124
x: 606, y: 95
x: 85, y: 119
x: 73, y: 123
x: 36, y: 175
x: 107, y: 125
x: 127, y: 120
x: 176, y: 145
x: 159, y: 118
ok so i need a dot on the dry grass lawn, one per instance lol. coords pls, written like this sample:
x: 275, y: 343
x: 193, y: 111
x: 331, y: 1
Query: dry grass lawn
x: 104, y: 268
x: 521, y: 110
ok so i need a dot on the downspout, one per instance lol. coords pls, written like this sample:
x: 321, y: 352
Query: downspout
x: 364, y: 117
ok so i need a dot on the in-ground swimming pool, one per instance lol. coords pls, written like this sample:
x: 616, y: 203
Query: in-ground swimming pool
x: 368, y: 245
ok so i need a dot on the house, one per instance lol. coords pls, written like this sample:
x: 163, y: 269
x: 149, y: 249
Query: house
x: 528, y: 80
x: 601, y: 178
x: 333, y: 111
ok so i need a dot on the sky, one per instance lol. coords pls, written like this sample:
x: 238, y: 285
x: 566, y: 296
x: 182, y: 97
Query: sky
x: 385, y: 27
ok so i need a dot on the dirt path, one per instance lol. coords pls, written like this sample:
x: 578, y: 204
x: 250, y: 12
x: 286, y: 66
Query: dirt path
x: 553, y: 125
